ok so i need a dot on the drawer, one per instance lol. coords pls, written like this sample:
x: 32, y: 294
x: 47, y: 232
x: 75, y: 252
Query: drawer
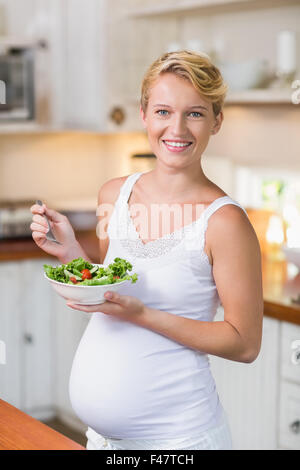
x: 290, y: 334
x: 289, y: 418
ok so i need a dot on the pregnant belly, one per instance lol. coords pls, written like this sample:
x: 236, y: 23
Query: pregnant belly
x: 105, y: 390
x: 127, y: 381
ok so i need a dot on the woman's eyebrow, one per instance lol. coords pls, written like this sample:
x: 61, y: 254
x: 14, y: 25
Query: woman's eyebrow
x: 189, y: 107
x: 159, y: 105
x: 198, y: 106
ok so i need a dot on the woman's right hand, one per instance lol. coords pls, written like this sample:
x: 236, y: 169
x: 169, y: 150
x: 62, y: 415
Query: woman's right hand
x: 62, y: 230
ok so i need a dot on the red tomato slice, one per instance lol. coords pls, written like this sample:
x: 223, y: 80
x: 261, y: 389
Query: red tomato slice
x: 73, y: 280
x: 86, y: 274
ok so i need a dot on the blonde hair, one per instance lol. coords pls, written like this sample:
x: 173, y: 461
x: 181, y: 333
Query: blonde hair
x: 194, y: 67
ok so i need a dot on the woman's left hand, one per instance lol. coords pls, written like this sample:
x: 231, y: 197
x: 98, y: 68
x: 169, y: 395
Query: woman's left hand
x: 124, y: 307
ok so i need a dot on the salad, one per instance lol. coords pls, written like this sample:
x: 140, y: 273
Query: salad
x: 82, y: 273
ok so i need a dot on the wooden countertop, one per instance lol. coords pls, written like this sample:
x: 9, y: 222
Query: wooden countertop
x: 25, y: 248
x: 19, y: 431
x: 280, y: 283
x: 281, y: 286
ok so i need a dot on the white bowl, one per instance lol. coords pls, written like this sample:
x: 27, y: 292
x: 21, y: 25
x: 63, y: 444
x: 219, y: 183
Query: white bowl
x: 84, y: 295
x: 292, y: 255
x: 245, y: 75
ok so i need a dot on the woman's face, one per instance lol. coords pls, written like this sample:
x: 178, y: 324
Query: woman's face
x: 179, y: 121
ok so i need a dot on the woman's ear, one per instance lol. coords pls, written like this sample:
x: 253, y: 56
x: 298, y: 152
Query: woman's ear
x: 218, y: 123
x: 143, y: 116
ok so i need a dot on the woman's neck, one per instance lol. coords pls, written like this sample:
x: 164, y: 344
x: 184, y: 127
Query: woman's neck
x: 173, y: 183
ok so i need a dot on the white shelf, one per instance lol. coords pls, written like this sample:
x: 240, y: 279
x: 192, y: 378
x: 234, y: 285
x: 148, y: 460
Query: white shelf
x: 247, y: 97
x: 26, y: 127
x: 17, y: 41
x: 186, y: 6
x: 259, y: 96
x: 264, y: 96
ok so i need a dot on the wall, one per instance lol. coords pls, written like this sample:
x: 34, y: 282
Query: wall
x: 65, y: 165
x: 260, y: 136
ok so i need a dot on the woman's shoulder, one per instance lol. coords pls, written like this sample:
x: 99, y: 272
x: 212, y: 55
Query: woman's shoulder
x: 110, y: 190
x: 229, y: 222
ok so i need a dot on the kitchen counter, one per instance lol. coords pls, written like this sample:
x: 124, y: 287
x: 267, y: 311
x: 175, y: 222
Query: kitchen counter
x: 19, y: 431
x: 18, y: 249
x: 280, y: 282
x: 281, y: 287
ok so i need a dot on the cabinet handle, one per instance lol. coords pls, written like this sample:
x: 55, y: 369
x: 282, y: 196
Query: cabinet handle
x: 295, y: 356
x: 295, y: 427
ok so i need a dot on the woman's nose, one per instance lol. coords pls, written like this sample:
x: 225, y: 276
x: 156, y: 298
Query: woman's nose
x: 178, y: 125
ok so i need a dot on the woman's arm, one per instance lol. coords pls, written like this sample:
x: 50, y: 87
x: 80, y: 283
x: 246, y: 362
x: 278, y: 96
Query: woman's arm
x: 237, y: 272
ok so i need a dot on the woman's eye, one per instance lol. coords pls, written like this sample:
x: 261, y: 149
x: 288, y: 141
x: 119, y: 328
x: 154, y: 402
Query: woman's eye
x: 162, y: 112
x: 196, y: 114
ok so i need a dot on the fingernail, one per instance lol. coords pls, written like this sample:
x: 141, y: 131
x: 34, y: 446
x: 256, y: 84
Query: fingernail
x: 108, y: 295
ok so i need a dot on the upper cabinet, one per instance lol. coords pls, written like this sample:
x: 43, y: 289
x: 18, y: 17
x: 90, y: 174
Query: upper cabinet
x: 71, y: 53
x: 85, y: 73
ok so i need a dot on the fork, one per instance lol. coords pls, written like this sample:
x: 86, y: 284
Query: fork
x: 49, y: 234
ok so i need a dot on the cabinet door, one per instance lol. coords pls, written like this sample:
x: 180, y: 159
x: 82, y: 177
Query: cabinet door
x: 249, y: 392
x: 290, y: 358
x: 85, y: 64
x: 289, y: 425
x: 11, y: 321
x: 38, y: 337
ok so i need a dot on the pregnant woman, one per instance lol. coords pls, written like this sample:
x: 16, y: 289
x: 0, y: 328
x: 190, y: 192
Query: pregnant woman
x: 141, y: 377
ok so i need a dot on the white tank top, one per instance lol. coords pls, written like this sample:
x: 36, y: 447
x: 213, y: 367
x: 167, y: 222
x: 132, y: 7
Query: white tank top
x: 131, y: 382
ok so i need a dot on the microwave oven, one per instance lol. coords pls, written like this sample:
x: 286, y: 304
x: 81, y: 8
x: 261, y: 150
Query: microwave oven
x: 17, y: 100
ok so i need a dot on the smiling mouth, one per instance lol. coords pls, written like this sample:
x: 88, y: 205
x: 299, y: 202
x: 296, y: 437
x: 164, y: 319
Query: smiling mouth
x: 174, y: 145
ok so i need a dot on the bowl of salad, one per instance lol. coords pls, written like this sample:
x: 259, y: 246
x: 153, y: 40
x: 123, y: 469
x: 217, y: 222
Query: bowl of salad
x: 86, y: 283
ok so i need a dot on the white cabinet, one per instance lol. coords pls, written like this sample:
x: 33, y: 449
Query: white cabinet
x: 249, y: 393
x: 289, y: 423
x: 95, y: 72
x: 71, y: 71
x: 289, y: 410
x: 26, y: 380
x: 41, y: 335
x: 85, y: 68
x: 37, y: 328
x: 91, y: 67
x: 11, y: 333
x: 290, y: 370
x: 262, y: 399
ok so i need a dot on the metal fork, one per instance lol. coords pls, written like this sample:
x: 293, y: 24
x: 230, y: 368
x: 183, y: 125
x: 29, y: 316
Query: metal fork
x: 49, y: 234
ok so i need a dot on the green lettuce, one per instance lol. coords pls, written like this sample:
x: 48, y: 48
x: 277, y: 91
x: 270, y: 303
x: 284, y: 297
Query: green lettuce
x: 112, y: 274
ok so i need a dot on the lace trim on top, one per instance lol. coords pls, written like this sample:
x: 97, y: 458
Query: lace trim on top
x: 155, y: 248
x: 190, y: 237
